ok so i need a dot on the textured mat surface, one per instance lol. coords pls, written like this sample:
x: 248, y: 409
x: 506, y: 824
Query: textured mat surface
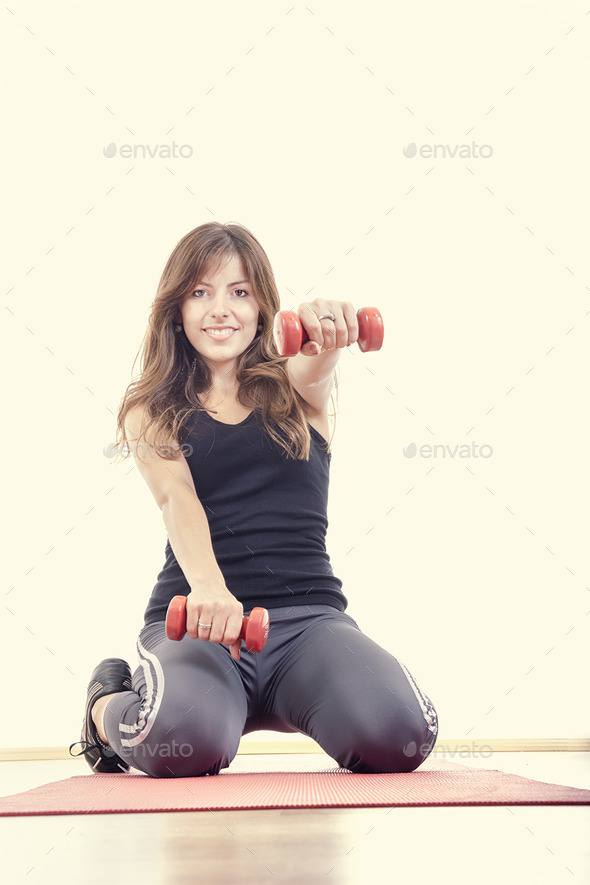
x: 446, y: 783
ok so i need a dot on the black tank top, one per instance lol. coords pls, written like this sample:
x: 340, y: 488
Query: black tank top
x: 267, y: 517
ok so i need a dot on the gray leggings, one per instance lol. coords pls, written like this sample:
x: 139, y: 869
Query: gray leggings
x: 318, y: 675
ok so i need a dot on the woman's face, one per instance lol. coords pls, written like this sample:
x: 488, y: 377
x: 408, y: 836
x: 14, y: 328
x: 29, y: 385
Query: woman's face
x: 220, y: 315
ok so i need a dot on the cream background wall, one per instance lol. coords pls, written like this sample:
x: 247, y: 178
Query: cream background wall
x: 472, y: 570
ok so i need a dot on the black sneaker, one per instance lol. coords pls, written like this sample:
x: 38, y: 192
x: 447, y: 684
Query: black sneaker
x: 111, y: 675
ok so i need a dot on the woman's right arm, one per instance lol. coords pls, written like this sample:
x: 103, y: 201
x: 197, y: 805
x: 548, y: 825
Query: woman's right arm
x: 172, y: 486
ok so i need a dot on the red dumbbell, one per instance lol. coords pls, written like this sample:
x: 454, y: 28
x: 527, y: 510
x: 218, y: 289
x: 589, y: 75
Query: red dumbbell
x: 254, y: 627
x: 290, y: 336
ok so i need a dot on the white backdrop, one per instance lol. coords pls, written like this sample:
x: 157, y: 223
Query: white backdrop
x: 314, y: 125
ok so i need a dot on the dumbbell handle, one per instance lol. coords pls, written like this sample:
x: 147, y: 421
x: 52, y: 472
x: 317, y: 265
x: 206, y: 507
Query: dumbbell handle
x: 290, y: 335
x: 254, y: 627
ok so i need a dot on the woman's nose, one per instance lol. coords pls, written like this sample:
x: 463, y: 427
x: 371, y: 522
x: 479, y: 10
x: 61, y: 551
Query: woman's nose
x: 218, y: 307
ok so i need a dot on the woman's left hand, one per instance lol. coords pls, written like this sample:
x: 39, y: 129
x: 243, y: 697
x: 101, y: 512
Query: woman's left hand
x: 327, y: 334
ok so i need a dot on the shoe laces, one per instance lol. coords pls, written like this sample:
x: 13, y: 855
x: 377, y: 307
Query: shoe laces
x: 84, y: 752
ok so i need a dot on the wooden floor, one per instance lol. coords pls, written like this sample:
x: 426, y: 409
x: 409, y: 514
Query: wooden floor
x: 506, y: 844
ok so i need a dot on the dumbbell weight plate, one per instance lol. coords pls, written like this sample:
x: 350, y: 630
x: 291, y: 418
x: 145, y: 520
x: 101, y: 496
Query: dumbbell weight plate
x: 370, y: 329
x: 287, y: 333
x: 176, y: 618
x: 256, y: 629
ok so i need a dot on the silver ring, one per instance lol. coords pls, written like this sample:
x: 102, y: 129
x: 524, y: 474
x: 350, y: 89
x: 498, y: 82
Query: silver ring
x: 205, y: 626
x: 327, y: 316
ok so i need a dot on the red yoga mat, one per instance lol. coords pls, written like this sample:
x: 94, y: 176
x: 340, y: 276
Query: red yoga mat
x: 448, y: 783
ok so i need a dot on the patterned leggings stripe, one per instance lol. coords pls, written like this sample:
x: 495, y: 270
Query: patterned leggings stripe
x: 425, y: 703
x: 154, y: 680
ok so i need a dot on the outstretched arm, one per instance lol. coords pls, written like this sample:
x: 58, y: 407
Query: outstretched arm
x: 311, y: 371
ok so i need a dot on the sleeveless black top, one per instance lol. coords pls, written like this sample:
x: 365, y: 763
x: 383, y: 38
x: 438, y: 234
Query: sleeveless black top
x: 267, y: 516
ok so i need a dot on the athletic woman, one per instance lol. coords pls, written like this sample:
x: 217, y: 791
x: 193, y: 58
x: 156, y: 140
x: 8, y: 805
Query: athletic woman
x: 232, y: 441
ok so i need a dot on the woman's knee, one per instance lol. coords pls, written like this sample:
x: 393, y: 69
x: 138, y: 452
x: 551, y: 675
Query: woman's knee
x: 197, y: 746
x: 173, y: 759
x: 409, y: 750
x: 411, y: 729
x: 389, y: 744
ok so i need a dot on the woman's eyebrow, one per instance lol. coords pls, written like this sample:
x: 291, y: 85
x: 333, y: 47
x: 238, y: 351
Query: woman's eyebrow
x: 237, y: 283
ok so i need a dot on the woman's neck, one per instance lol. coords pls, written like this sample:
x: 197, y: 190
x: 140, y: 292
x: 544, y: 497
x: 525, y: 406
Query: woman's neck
x: 222, y: 390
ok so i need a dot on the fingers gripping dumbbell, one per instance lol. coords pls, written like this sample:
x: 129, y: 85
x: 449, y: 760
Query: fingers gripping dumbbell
x: 290, y: 335
x: 254, y: 627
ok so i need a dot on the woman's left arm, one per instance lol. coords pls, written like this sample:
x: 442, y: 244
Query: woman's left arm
x: 313, y: 378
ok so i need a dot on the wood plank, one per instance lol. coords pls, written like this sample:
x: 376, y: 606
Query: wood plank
x: 544, y: 845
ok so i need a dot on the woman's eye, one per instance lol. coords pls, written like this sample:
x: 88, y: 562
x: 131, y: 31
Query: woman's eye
x: 200, y: 292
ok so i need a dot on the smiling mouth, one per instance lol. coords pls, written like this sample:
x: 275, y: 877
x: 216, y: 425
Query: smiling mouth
x: 220, y: 334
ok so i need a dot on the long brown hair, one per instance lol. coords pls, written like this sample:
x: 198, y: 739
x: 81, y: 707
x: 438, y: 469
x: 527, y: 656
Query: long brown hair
x: 173, y: 373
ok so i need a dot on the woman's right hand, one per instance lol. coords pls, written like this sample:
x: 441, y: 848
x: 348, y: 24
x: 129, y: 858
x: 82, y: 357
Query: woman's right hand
x: 215, y: 605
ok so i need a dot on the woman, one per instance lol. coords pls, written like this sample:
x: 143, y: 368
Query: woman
x: 232, y: 440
